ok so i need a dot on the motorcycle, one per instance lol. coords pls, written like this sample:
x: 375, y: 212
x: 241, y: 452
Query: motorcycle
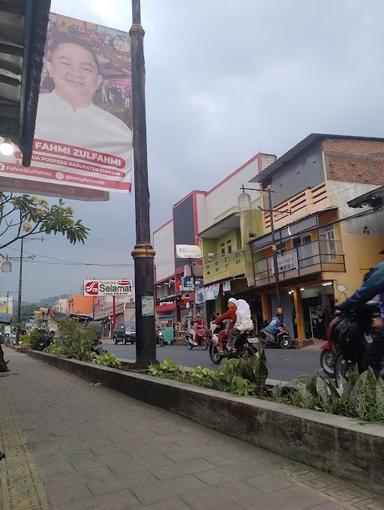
x: 197, y: 336
x: 160, y: 338
x: 280, y: 338
x: 350, y: 334
x: 246, y: 345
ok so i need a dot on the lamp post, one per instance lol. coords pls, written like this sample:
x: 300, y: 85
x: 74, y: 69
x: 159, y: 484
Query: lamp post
x: 244, y: 204
x: 18, y: 325
x: 143, y: 253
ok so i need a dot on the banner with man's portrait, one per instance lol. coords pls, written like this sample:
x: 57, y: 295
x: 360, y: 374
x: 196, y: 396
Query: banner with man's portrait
x: 83, y: 137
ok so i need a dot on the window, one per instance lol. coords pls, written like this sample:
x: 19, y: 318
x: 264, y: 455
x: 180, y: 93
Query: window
x: 328, y: 244
x: 222, y: 249
x: 229, y: 247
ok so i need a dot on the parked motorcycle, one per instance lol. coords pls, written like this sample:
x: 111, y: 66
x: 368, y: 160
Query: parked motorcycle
x: 197, y: 336
x: 159, y: 338
x: 280, y: 339
x: 246, y: 345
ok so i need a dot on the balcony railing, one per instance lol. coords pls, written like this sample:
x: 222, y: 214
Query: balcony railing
x: 219, y: 267
x: 315, y: 257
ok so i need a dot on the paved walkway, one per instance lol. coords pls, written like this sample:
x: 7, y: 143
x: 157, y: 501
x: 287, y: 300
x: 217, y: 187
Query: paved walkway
x: 71, y: 445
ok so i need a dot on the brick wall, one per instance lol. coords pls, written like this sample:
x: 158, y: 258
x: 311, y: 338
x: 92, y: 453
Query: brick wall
x: 355, y: 160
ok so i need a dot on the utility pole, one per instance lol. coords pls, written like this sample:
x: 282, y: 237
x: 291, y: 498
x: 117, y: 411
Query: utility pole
x: 274, y: 251
x: 143, y: 253
x: 18, y: 326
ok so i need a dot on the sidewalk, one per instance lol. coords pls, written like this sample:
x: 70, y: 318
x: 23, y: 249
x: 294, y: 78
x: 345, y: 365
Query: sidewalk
x: 71, y: 445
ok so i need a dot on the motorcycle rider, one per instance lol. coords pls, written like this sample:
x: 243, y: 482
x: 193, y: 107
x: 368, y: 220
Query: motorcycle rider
x: 230, y: 317
x: 372, y: 286
x: 243, y: 322
x: 276, y: 322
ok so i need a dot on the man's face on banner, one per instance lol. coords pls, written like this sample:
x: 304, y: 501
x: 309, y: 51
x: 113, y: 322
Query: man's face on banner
x: 75, y: 74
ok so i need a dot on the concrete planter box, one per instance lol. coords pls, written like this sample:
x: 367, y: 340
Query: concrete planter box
x: 335, y: 444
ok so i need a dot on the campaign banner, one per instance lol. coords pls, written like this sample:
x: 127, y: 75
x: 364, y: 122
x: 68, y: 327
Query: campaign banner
x: 83, y: 134
x: 122, y: 287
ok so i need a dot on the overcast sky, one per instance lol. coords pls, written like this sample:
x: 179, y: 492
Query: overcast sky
x: 225, y: 80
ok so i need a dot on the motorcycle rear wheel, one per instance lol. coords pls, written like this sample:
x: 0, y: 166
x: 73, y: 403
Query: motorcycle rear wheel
x: 285, y: 342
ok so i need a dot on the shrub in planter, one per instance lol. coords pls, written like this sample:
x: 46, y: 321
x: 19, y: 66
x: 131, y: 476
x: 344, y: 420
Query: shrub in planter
x: 107, y: 359
x: 73, y: 340
x: 36, y: 336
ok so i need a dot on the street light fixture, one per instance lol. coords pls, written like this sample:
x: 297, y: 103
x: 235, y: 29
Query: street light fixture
x: 6, y: 147
x: 6, y: 265
x: 245, y: 203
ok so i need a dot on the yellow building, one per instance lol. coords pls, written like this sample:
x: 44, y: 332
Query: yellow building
x: 323, y: 246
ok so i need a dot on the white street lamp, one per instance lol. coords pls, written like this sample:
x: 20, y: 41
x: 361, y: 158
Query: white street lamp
x: 6, y: 147
x: 6, y: 265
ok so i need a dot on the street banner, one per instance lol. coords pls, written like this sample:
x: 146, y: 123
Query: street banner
x: 6, y: 305
x: 188, y: 251
x: 83, y: 135
x: 122, y: 287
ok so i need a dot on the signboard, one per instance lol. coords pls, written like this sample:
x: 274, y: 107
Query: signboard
x: 187, y: 283
x: 83, y: 135
x: 120, y: 287
x: 147, y: 306
x: 188, y: 251
x: 6, y: 305
x: 285, y: 262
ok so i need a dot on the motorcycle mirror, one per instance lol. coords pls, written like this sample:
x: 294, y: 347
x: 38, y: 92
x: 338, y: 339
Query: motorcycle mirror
x: 342, y: 288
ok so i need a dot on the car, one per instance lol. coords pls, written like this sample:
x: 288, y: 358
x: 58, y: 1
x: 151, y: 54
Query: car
x: 124, y: 332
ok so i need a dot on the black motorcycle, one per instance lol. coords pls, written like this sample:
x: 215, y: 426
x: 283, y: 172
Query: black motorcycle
x: 352, y: 336
x: 246, y: 345
x: 280, y: 339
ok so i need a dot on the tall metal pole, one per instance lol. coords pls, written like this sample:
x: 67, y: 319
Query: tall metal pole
x: 274, y: 252
x: 18, y: 326
x: 143, y: 252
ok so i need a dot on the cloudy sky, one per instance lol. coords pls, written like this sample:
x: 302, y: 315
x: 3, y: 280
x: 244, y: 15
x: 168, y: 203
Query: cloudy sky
x: 225, y: 80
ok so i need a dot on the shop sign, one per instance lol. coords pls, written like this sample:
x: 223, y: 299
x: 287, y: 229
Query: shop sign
x: 188, y: 251
x: 285, y: 262
x: 120, y: 287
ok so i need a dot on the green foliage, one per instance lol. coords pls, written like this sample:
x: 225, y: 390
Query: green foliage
x: 56, y: 349
x: 36, y: 336
x: 26, y: 340
x: 74, y: 341
x: 167, y: 368
x: 107, y: 359
x: 25, y: 215
x: 238, y: 376
x: 361, y: 396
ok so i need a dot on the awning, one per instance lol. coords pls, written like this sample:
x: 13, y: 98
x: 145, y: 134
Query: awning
x: 161, y: 309
x: 23, y: 29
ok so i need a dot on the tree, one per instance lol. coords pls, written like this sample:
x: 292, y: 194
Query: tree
x: 25, y: 215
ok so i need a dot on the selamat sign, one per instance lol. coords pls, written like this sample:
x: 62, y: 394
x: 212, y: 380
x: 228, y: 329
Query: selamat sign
x: 122, y: 287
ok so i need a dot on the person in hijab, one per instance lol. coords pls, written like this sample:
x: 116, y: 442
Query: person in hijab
x: 243, y: 322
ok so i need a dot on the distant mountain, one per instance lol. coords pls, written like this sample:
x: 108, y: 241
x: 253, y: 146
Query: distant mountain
x: 49, y: 301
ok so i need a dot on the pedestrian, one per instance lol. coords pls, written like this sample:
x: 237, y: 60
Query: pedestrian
x: 3, y: 363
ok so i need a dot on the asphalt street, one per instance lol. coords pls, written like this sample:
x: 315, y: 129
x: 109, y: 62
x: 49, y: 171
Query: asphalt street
x: 282, y: 364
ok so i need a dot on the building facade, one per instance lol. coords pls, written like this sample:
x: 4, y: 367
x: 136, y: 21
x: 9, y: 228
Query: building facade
x: 322, y: 249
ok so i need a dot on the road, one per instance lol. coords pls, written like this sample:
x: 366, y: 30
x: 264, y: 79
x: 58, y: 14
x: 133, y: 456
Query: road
x: 282, y: 364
